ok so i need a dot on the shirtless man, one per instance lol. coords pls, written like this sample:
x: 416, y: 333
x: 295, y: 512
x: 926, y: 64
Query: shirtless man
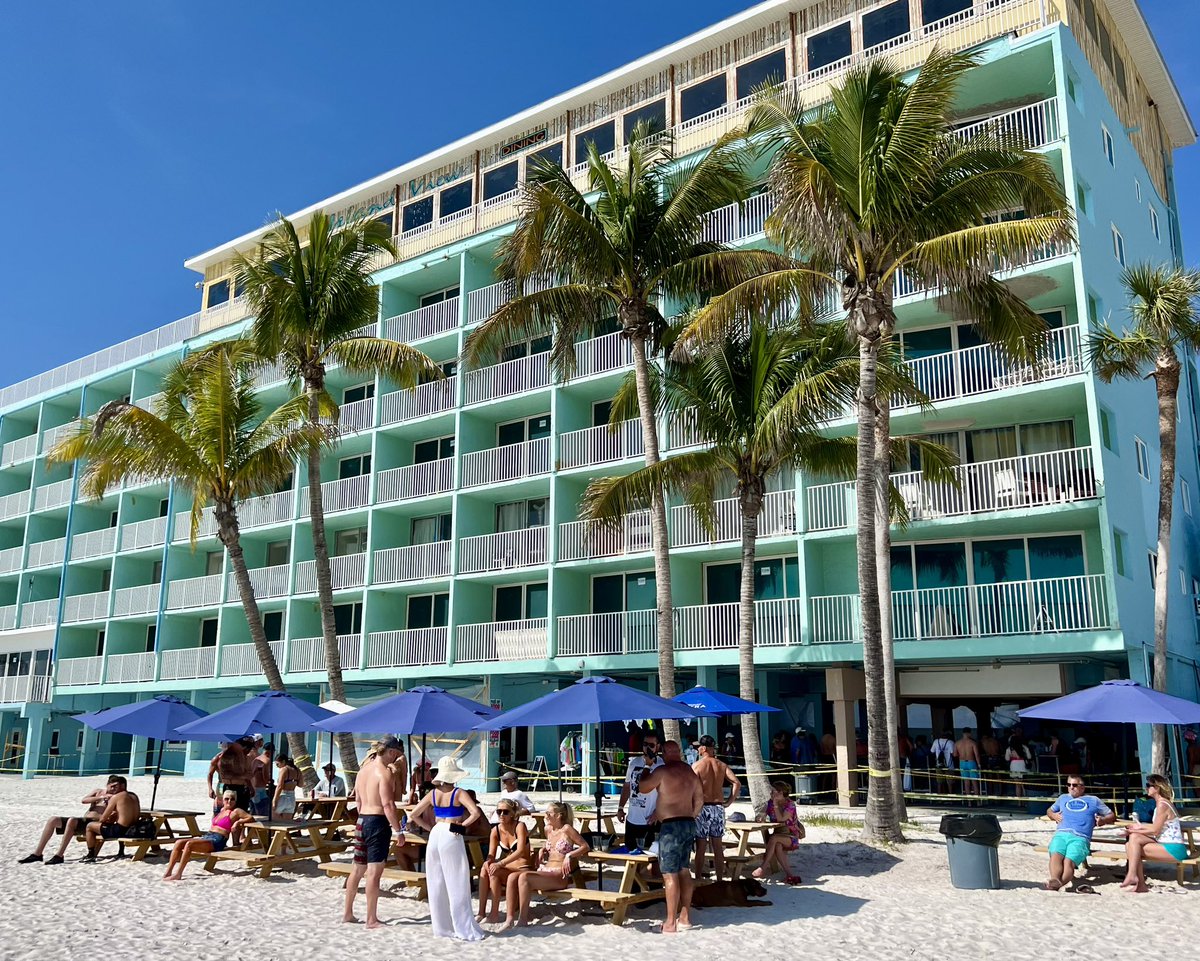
x: 122, y: 810
x: 233, y: 766
x: 399, y: 769
x: 375, y: 791
x: 714, y: 774
x: 970, y: 761
x: 680, y: 798
x: 262, y: 768
x: 96, y: 801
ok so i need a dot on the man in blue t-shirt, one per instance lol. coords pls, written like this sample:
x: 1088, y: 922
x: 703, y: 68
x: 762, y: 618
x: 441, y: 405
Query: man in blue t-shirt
x: 1077, y: 815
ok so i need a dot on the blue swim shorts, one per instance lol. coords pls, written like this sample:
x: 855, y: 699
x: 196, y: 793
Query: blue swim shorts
x: 676, y: 837
x: 1071, y: 846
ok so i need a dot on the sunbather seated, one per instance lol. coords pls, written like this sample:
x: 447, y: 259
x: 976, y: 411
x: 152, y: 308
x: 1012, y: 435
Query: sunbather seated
x: 120, y: 814
x: 68, y: 825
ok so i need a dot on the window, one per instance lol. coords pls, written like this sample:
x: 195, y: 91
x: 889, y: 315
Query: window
x: 347, y: 618
x: 703, y: 97
x: 1154, y: 224
x: 1095, y: 308
x: 770, y: 70
x: 519, y: 515
x: 1185, y: 495
x: 359, y: 392
x: 113, y: 517
x: 1109, y: 150
x: 425, y: 451
x: 603, y: 137
x: 218, y: 293
x: 500, y: 180
x: 417, y: 214
x: 357, y: 466
x: 1143, y: 457
x: 1089, y: 16
x: 525, y: 348
x: 522, y: 430
x: 454, y: 199
x: 829, y: 46
x: 164, y: 508
x: 208, y: 632
x: 431, y: 530
x: 1118, y: 246
x: 272, y: 622
x: 350, y: 541
x: 1106, y: 50
x: 156, y: 571
x: 278, y: 552
x: 1119, y: 73
x: 653, y: 115
x: 614, y: 593
x: 213, y: 562
x: 551, y: 155
x: 516, y: 602
x: 151, y: 637
x: 106, y: 577
x: 1108, y: 434
x: 1137, y: 189
x: 79, y: 741
x: 1152, y: 563
x: 885, y: 23
x: 1083, y: 200
x: 54, y: 743
x: 1073, y: 87
x: 100, y: 636
x: 933, y: 11
x: 428, y: 610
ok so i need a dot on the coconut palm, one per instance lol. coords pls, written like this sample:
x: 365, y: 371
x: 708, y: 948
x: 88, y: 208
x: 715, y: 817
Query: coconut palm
x: 311, y: 297
x: 211, y: 437
x: 638, y: 243
x: 1165, y: 331
x: 875, y: 189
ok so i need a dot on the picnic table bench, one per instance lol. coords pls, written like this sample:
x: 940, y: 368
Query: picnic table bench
x: 391, y: 872
x: 167, y: 831
x: 323, y: 808
x: 1190, y: 830
x: 633, y: 887
x: 267, y: 845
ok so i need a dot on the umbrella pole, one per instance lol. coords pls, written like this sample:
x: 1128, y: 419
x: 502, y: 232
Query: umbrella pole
x: 1125, y: 766
x: 599, y: 784
x: 157, y: 775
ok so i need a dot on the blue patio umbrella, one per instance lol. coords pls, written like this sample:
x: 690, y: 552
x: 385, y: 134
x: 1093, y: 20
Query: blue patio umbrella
x: 718, y: 704
x: 159, y: 718
x: 270, y: 712
x: 591, y: 700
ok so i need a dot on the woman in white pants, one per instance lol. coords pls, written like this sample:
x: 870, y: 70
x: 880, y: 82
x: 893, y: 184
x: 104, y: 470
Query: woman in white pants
x: 445, y: 811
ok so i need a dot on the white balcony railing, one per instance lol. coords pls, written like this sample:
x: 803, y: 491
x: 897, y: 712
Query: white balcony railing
x: 577, y: 540
x: 415, y: 647
x: 11, y: 559
x: 424, y: 322
x: 275, y: 508
x: 340, y: 495
x: 47, y: 553
x: 8, y: 617
x: 738, y: 221
x: 417, y: 562
x: 39, y: 613
x: 601, y: 445
x: 183, y: 526
x: 510, y: 462
x: 778, y: 518
x: 345, y: 571
x: 1035, y: 480
x: 53, y: 495
x: 13, y: 505
x: 93, y: 543
x: 15, y: 451
x: 187, y: 663
x: 78, y: 671
x: 25, y: 688
x: 53, y: 435
x: 415, y: 480
x: 502, y: 641
x: 266, y: 581
x: 153, y: 532
x: 482, y: 303
x: 599, y: 355
x: 85, y: 607
x: 241, y: 660
x: 1047, y: 606
x: 136, y: 600
x: 129, y: 668
x: 194, y: 592
x: 421, y: 401
x: 356, y: 416
x: 307, y: 654
x: 624, y: 632
x: 498, y: 552
x: 682, y: 429
x: 1036, y: 124
x: 511, y: 377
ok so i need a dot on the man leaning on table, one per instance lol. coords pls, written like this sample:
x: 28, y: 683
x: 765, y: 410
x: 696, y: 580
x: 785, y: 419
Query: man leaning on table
x: 330, y: 785
x: 1077, y: 815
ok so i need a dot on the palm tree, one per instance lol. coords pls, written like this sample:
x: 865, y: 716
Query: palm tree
x: 639, y: 242
x: 311, y: 298
x: 1165, y: 331
x: 208, y: 435
x: 873, y: 188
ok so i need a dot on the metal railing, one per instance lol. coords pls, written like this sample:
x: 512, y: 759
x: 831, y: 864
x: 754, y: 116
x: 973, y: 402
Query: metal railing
x: 307, y: 654
x: 47, y: 553
x: 266, y: 581
x: 502, y: 641
x: 275, y: 508
x: 241, y: 660
x: 624, y: 632
x: 53, y: 435
x: 26, y: 689
x: 415, y: 480
x: 1036, y: 124
x: 136, y: 600
x: 14, y: 504
x: 778, y: 518
x: 415, y: 647
x: 187, y: 592
x: 8, y: 617
x: 511, y: 377
x: 49, y: 496
x: 738, y: 221
x: 153, y: 532
x: 188, y: 663
x: 601, y: 445
x: 39, y: 613
x: 577, y: 540
x: 129, y: 668
x: 599, y: 355
x: 93, y: 543
x: 340, y: 495
x: 356, y: 416
x: 510, y: 462
x: 15, y: 451
x: 11, y: 559
x: 421, y: 401
x: 416, y: 562
x: 345, y: 571
x: 498, y: 552
x: 423, y: 322
x: 85, y: 607
x: 78, y: 671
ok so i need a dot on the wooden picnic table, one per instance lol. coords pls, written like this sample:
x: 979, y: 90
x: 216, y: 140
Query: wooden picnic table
x: 268, y: 844
x: 744, y: 832
x: 324, y: 808
x: 583, y: 822
x: 632, y: 884
x: 167, y: 830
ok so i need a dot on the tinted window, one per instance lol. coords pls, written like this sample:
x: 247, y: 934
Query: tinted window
x: 702, y: 97
x: 418, y: 214
x: 771, y: 69
x: 935, y: 10
x: 456, y: 198
x: 604, y: 137
x: 829, y: 47
x: 551, y: 154
x: 1089, y: 16
x: 218, y: 293
x: 386, y: 220
x: 1119, y: 72
x: 886, y: 23
x: 500, y: 180
x: 654, y: 115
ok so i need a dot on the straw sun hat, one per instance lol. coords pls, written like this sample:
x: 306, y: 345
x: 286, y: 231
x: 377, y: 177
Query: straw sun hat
x: 448, y: 771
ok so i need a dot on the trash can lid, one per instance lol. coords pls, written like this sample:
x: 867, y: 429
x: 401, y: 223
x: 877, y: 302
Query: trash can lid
x: 980, y: 828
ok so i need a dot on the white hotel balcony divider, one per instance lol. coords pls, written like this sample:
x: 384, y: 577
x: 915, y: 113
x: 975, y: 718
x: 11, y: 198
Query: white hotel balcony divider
x: 153, y: 532
x: 738, y: 221
x: 52, y: 495
x: 127, y: 668
x: 39, y: 613
x: 356, y: 416
x: 421, y: 401
x: 498, y: 552
x: 415, y: 647
x: 416, y: 562
x: 482, y: 303
x: 8, y: 617
x: 600, y: 445
x: 78, y: 671
x: 577, y: 540
x: 267, y: 582
x: 12, y: 557
x: 599, y: 355
x: 183, y: 526
x: 423, y: 322
x: 268, y: 509
x: 307, y: 654
x: 23, y: 448
x: 14, y: 504
x: 25, y: 688
x: 85, y: 607
x: 485, y: 384
x: 340, y: 495
x: 415, y: 480
x: 778, y: 517
x: 194, y: 592
x: 346, y: 571
x: 47, y: 553
x: 241, y: 660
x: 136, y: 600
x: 510, y: 462
x: 92, y: 543
x: 502, y: 641
x: 187, y: 663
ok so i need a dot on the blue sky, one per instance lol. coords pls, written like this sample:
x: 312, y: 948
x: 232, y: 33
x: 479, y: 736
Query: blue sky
x: 144, y: 132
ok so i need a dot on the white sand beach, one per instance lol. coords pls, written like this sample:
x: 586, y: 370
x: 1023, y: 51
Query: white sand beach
x: 856, y: 902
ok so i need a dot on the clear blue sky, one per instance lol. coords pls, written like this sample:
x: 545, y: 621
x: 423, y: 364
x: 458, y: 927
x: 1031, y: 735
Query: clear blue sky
x: 140, y: 133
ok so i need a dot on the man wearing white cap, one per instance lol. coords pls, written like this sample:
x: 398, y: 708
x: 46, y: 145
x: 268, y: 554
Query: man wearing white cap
x: 509, y: 791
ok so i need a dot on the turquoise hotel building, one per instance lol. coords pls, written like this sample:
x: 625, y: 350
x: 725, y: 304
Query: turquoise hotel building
x: 453, y: 508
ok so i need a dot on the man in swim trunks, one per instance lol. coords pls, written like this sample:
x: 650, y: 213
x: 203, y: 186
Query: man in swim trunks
x: 377, y: 825
x: 1077, y: 815
x: 680, y: 798
x: 969, y: 762
x: 96, y: 801
x: 714, y: 774
x: 232, y: 764
x: 122, y: 810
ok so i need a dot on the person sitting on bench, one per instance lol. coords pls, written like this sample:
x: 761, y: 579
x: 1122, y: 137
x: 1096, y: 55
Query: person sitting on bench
x: 120, y: 814
x: 96, y: 801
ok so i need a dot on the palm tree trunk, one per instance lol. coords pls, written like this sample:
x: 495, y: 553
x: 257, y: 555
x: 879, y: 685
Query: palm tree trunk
x: 229, y: 533
x: 665, y: 622
x: 1166, y: 385
x: 750, y: 500
x: 883, y: 562
x: 333, y: 656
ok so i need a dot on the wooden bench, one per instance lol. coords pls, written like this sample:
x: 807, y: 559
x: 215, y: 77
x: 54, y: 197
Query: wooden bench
x: 736, y: 865
x: 1192, y: 861
x: 610, y: 901
x: 412, y: 879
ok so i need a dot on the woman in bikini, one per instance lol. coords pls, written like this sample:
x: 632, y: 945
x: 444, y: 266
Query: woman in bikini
x: 283, y: 805
x: 787, y: 837
x: 228, y: 819
x: 1160, y: 840
x: 508, y: 852
x: 559, y: 859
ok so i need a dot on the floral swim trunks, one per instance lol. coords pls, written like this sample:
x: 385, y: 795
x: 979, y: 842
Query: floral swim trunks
x: 710, y: 822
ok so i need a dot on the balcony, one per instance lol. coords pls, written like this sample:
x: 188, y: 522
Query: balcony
x: 482, y: 303
x: 511, y: 377
x: 191, y: 592
x: 307, y: 654
x: 53, y: 495
x: 1048, y: 606
x: 266, y: 581
x: 510, y: 462
x: 14, y: 505
x: 423, y: 400
x: 241, y: 660
x: 85, y: 607
x: 93, y: 543
x: 356, y: 416
x: 25, y: 689
x: 78, y: 671
x: 15, y: 451
x: 8, y: 617
x: 1012, y: 483
x: 347, y: 571
x: 188, y: 663
x: 153, y: 532
x: 503, y: 551
x: 624, y: 632
x: 47, y: 553
x: 136, y: 600
x: 268, y: 509
x: 600, y: 355
x: 415, y: 480
x: 11, y: 559
x: 578, y: 540
x: 53, y: 435
x: 778, y: 519
x: 39, y: 613
x: 415, y: 647
x: 502, y: 641
x: 130, y: 668
x: 424, y: 322
x: 601, y: 445
x: 438, y: 233
x: 417, y: 562
x: 738, y: 221
x: 340, y: 495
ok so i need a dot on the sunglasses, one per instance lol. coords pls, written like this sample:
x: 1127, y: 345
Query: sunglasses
x: 1074, y: 784
x: 505, y: 812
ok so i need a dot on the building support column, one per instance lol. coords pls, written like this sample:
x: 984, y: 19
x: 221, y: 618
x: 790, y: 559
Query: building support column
x: 845, y: 687
x: 38, y: 716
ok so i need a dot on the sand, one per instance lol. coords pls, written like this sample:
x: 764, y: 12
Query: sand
x: 857, y: 902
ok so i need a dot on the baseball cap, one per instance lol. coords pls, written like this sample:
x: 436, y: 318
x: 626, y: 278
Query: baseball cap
x: 329, y: 767
x: 508, y: 776
x: 707, y: 740
x: 390, y: 743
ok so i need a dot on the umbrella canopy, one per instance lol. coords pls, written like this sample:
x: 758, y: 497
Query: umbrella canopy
x: 422, y: 710
x: 159, y: 718
x: 1118, y: 702
x: 271, y: 712
x: 714, y: 702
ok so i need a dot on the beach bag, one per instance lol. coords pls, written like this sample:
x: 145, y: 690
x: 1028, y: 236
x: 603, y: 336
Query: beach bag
x: 143, y: 829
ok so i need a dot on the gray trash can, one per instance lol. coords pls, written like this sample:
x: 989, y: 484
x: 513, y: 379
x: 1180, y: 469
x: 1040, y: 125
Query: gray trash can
x: 971, y: 843
x: 806, y: 788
